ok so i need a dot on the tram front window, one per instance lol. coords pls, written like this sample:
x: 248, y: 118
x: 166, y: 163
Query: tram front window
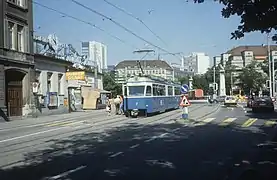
x: 136, y: 90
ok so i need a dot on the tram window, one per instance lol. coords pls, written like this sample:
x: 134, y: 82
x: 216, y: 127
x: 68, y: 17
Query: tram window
x: 170, y: 90
x: 155, y: 90
x: 136, y: 90
x: 148, y: 91
x: 177, y: 91
x: 162, y: 91
x: 125, y: 91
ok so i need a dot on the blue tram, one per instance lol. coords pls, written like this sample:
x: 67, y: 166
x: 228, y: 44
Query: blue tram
x: 146, y: 95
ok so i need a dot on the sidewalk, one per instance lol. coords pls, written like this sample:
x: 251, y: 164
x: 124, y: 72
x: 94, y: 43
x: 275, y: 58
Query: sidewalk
x: 46, y: 119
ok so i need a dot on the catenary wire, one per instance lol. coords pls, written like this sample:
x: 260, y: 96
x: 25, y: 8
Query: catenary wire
x: 86, y: 22
x: 136, y: 18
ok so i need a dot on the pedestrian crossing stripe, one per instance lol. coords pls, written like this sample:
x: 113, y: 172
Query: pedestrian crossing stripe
x: 270, y: 123
x: 204, y: 122
x: 249, y: 122
x: 227, y: 121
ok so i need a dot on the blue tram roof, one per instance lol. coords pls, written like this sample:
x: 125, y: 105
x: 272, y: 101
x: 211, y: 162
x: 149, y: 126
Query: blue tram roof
x: 152, y: 79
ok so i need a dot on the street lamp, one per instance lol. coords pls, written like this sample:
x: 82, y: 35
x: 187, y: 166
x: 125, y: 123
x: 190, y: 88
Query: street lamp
x: 269, y: 65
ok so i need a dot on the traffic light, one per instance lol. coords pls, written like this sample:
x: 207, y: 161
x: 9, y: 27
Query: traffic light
x: 215, y: 86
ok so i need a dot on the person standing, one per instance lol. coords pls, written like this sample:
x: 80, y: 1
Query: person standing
x: 108, y: 106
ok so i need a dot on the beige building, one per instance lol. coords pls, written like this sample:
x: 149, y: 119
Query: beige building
x: 128, y: 68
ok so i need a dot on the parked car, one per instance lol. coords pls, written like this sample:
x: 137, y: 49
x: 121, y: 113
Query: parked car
x: 262, y: 104
x: 249, y: 102
x: 220, y: 99
x: 230, y: 101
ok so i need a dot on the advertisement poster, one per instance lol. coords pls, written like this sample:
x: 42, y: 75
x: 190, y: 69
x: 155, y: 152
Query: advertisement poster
x: 53, y: 99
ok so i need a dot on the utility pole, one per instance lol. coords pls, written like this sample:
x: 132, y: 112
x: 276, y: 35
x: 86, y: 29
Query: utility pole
x: 269, y: 65
x: 231, y: 84
x: 214, y: 81
x: 273, y: 75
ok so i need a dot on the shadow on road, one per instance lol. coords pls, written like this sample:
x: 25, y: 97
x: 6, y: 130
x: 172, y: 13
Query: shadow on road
x: 151, y: 152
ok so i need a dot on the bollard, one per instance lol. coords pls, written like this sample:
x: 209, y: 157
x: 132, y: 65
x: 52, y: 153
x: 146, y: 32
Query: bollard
x: 185, y: 113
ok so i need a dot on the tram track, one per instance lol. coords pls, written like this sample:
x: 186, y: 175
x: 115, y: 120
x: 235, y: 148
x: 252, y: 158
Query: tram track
x: 106, y: 125
x: 63, y: 119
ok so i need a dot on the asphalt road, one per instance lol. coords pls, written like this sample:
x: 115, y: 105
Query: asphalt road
x: 219, y: 146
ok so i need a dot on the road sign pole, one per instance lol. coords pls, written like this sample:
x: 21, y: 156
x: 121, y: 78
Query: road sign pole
x: 185, y: 113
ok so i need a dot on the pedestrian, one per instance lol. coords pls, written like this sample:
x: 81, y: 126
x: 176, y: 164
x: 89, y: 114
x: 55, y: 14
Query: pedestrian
x: 121, y: 105
x: 117, y: 104
x: 108, y: 106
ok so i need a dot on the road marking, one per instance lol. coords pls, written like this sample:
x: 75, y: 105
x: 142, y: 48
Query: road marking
x: 134, y: 146
x: 204, y: 122
x: 175, y: 129
x: 227, y: 121
x: 249, y: 122
x: 33, y: 134
x: 60, y: 123
x: 65, y: 173
x: 116, y: 154
x: 270, y: 123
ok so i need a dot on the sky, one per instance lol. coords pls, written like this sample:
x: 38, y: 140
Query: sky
x: 183, y: 27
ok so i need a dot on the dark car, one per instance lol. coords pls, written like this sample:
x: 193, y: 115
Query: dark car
x: 262, y: 104
x: 249, y: 102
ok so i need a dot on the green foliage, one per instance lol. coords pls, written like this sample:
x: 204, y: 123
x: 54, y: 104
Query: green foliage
x: 251, y: 78
x: 255, y: 15
x: 183, y: 80
x: 109, y: 84
x: 264, y: 66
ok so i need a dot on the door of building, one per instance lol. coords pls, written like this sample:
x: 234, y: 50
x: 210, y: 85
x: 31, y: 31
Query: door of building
x: 15, y: 100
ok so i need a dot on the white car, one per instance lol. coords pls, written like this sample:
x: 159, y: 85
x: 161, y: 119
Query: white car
x: 230, y: 101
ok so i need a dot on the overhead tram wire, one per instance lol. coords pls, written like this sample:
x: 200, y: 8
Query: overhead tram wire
x: 83, y: 21
x: 136, y: 18
x: 121, y: 26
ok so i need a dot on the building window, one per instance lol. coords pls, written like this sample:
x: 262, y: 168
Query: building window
x: 60, y: 84
x: 49, y: 77
x: 16, y: 37
x: 20, y: 38
x: 11, y: 35
x: 20, y: 3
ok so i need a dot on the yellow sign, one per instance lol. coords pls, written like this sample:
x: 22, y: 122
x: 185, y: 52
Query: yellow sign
x: 77, y: 75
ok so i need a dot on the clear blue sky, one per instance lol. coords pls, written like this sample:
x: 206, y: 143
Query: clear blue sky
x: 185, y: 27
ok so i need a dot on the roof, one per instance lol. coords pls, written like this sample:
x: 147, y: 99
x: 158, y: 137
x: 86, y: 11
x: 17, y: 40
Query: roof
x: 38, y: 57
x: 257, y: 50
x: 144, y: 63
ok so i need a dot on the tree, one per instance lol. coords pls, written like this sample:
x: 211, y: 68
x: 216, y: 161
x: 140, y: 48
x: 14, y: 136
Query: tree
x: 183, y: 80
x: 109, y: 84
x: 255, y: 15
x: 251, y: 78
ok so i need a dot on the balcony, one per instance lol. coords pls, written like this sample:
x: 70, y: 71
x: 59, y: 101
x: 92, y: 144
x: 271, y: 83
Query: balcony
x: 15, y: 56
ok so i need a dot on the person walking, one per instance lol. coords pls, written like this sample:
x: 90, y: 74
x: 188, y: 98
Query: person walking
x: 108, y: 106
x: 117, y: 104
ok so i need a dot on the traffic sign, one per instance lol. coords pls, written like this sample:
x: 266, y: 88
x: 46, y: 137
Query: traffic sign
x: 184, y: 102
x: 184, y: 89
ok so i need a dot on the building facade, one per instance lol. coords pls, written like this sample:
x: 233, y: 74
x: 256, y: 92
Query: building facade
x: 97, y: 52
x: 197, y: 63
x: 52, y: 92
x: 16, y: 57
x: 127, y: 68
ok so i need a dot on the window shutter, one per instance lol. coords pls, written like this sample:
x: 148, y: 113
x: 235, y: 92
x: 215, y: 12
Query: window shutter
x: 27, y: 40
x: 6, y: 34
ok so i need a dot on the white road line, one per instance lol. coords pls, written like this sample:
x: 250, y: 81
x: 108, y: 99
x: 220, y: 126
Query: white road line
x: 33, y: 134
x: 66, y: 173
x: 151, y: 139
x: 175, y: 129
x: 116, y: 154
x: 134, y: 146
